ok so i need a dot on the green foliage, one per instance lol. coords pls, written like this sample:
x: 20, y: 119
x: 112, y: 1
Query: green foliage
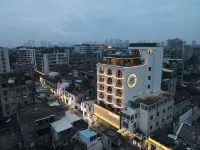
x: 62, y: 68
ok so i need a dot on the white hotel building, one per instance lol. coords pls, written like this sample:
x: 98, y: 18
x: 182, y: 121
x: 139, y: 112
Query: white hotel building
x: 129, y: 90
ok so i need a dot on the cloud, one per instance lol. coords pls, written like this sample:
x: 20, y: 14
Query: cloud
x: 99, y: 19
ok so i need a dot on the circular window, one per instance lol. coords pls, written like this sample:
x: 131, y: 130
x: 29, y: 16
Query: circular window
x: 132, y: 79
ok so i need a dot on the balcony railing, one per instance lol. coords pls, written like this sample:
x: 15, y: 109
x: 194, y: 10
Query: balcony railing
x: 109, y: 100
x: 119, y: 102
x: 101, y: 79
x: 118, y: 93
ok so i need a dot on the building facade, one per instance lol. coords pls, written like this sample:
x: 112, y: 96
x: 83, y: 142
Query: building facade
x: 35, y: 124
x: 26, y: 56
x: 169, y: 80
x: 178, y: 67
x: 4, y: 60
x: 46, y: 59
x: 127, y: 78
x: 87, y: 48
x: 16, y: 91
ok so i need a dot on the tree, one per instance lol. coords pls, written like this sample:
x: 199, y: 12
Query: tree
x: 62, y: 68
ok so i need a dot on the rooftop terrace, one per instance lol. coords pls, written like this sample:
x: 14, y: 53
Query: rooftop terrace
x: 37, y: 111
x: 152, y: 98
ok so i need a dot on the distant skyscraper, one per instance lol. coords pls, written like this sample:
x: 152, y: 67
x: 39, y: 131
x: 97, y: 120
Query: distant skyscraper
x: 111, y: 42
x: 49, y: 43
x: 194, y: 43
x: 29, y: 43
x: 4, y: 61
x: 33, y: 43
x: 106, y: 42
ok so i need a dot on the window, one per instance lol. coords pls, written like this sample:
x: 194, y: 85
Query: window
x: 171, y: 107
x: 151, y: 117
x: 149, y: 77
x: 150, y: 127
x: 132, y: 117
x: 135, y: 116
x: 170, y: 116
x: 157, y: 113
x: 149, y: 68
x: 157, y: 123
x: 125, y: 125
x: 163, y: 120
x: 168, y: 108
x: 6, y: 99
x: 148, y: 86
x: 167, y: 117
x: 134, y: 125
x: 163, y: 110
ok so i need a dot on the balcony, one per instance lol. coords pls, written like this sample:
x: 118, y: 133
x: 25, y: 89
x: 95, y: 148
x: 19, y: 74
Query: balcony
x: 109, y: 81
x: 109, y: 90
x: 118, y: 93
x: 101, y: 78
x: 118, y: 84
x: 119, y: 102
x: 101, y: 70
x: 124, y: 61
x: 101, y: 96
x: 101, y: 87
x: 119, y: 74
x: 109, y: 72
x: 109, y: 99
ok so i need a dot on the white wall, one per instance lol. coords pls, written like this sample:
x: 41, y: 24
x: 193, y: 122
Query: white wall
x: 140, y: 86
x: 46, y: 64
x: 182, y: 118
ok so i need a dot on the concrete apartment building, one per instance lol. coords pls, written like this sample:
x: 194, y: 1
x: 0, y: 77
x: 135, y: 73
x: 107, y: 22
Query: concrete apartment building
x: 66, y: 129
x: 35, y: 124
x: 26, y: 56
x: 169, y: 80
x: 175, y: 48
x: 177, y: 66
x: 16, y: 90
x: 4, y: 60
x: 87, y: 48
x: 47, y: 58
x: 129, y: 90
x: 196, y: 58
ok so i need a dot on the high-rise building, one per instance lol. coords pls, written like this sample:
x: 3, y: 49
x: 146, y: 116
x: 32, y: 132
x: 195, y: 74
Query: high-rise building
x: 106, y: 42
x: 26, y: 56
x: 49, y: 44
x: 33, y: 43
x: 196, y: 58
x: 46, y: 59
x: 194, y: 43
x: 176, y: 48
x: 87, y: 48
x: 4, y: 60
x: 129, y: 90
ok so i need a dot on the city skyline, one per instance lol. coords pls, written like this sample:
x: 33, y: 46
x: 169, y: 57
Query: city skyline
x: 97, y: 20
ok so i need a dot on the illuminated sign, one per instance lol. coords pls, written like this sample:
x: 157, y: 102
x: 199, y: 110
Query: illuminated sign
x: 107, y: 116
x: 109, y: 46
x: 132, y: 79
